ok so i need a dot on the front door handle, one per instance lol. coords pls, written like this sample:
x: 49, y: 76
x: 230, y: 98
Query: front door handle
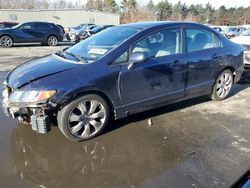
x: 175, y: 63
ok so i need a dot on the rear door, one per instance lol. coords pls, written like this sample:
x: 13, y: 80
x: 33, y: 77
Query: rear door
x: 203, y: 55
x: 41, y: 31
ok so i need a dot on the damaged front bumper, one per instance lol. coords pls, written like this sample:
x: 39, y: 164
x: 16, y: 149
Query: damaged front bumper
x: 37, y: 114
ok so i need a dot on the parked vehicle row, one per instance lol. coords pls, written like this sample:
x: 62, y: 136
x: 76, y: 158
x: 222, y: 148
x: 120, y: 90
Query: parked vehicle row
x: 75, y: 31
x: 45, y: 33
x: 244, y: 39
x: 83, y: 34
x: 32, y: 32
x: 121, y: 71
x: 230, y: 31
x: 76, y: 34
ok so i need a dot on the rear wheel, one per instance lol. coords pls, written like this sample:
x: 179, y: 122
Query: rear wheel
x: 52, y: 41
x: 6, y: 41
x: 223, y: 85
x: 84, y: 117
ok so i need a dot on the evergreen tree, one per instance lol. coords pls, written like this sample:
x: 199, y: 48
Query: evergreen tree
x: 150, y: 5
x: 110, y: 5
x: 164, y: 10
x: 90, y: 4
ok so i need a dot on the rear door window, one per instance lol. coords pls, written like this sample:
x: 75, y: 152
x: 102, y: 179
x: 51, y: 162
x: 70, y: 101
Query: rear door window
x: 199, y: 39
x: 42, y: 26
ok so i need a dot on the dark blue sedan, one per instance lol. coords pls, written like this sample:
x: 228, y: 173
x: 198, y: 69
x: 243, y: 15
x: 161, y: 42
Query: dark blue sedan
x: 121, y: 71
x: 30, y: 32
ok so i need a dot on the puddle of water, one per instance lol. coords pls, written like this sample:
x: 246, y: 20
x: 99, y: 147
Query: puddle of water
x: 118, y: 159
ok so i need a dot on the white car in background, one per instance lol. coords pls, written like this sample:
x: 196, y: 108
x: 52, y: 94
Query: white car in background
x: 244, y: 39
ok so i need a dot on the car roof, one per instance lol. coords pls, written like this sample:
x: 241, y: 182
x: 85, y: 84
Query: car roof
x: 87, y: 24
x: 105, y: 25
x: 38, y: 22
x: 145, y: 25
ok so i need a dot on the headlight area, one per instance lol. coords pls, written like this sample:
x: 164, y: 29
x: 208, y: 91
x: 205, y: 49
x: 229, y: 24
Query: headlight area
x: 31, y: 97
x: 30, y: 107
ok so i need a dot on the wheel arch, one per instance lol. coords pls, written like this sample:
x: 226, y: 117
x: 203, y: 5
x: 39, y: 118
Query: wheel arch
x: 71, y: 97
x: 4, y: 34
x: 49, y: 35
x: 231, y: 68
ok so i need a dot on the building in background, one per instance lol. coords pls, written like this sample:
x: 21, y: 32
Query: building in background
x: 65, y: 17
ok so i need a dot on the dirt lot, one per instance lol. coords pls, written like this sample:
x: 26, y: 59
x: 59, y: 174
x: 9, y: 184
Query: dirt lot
x: 196, y: 143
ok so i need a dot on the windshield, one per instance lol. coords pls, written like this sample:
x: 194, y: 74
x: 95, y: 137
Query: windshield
x: 96, y: 29
x: 101, y: 43
x: 16, y: 26
x: 246, y: 33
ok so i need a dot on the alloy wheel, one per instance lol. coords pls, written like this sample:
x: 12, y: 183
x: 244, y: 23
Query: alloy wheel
x: 52, y: 41
x: 224, y: 84
x: 6, y: 41
x: 86, y: 119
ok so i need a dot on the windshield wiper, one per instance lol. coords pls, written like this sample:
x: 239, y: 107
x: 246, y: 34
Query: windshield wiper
x: 80, y: 58
x: 60, y: 54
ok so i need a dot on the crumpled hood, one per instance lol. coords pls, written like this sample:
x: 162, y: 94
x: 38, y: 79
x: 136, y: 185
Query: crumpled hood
x: 38, y: 68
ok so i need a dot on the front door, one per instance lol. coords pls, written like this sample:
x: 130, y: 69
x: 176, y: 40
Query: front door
x: 26, y: 33
x: 161, y: 77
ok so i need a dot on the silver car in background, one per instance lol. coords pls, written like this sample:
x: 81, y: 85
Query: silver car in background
x: 231, y: 32
x: 244, y: 39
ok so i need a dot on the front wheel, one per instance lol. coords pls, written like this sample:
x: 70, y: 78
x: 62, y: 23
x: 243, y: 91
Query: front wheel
x: 6, y: 41
x: 52, y: 41
x: 222, y: 86
x: 84, y: 117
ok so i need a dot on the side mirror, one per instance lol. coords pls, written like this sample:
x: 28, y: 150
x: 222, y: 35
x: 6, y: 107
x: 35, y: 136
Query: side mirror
x: 136, y: 57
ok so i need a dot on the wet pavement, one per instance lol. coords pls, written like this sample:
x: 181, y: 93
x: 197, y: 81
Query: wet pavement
x: 196, y: 143
x: 20, y: 53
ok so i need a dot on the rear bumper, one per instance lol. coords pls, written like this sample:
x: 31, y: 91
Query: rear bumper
x: 60, y: 38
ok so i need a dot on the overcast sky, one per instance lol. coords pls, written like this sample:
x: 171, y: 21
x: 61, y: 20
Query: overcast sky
x: 215, y: 3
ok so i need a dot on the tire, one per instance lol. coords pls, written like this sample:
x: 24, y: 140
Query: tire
x: 6, y: 41
x: 52, y: 40
x: 223, y: 85
x: 83, y: 118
